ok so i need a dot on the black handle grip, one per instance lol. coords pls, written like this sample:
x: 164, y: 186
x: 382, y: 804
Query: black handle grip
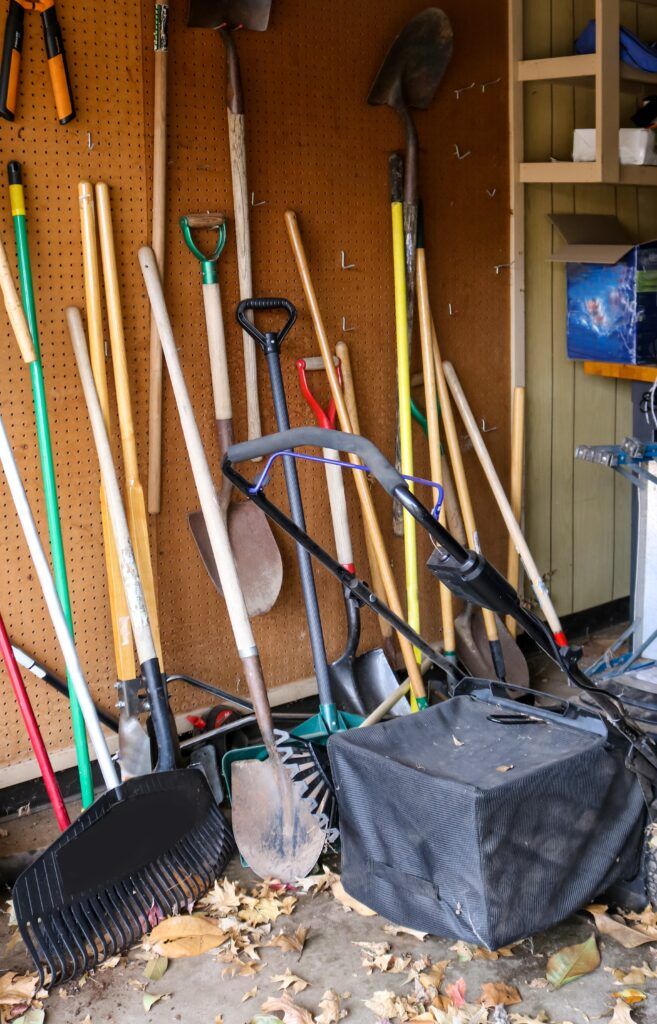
x: 258, y: 305
x: 12, y: 46
x: 318, y: 437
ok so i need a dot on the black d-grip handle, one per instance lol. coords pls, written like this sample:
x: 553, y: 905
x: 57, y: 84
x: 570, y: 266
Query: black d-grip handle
x: 259, y: 305
x: 318, y: 437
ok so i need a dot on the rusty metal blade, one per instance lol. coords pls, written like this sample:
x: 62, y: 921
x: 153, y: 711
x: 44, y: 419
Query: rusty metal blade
x: 473, y: 648
x: 257, y: 558
x: 251, y: 14
x: 415, y: 63
x: 276, y: 833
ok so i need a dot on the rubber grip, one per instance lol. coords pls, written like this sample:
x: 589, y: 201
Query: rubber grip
x: 12, y: 45
x: 59, y: 77
x: 318, y: 437
x: 255, y: 305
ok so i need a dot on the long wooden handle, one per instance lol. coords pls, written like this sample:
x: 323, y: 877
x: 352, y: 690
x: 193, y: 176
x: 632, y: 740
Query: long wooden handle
x: 214, y: 520
x: 243, y: 242
x: 517, y: 466
x: 214, y: 322
x: 134, y: 493
x: 458, y: 470
x: 504, y: 506
x: 64, y: 638
x: 121, y: 632
x: 433, y: 431
x: 342, y: 352
x: 158, y: 242
x: 367, y: 504
x: 14, y: 309
x: 339, y: 513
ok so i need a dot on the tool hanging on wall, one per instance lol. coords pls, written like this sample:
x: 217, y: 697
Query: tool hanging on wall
x: 275, y: 830
x: 257, y: 558
x: 17, y: 200
x: 32, y: 728
x: 134, y: 743
x: 409, y: 77
x: 359, y: 682
x: 367, y: 504
x: 12, y: 48
x: 227, y: 16
x: 158, y: 240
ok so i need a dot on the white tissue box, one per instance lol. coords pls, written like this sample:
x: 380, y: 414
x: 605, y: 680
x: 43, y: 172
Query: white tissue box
x: 636, y: 145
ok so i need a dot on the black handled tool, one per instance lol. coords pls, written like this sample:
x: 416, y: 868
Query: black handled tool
x: 12, y: 47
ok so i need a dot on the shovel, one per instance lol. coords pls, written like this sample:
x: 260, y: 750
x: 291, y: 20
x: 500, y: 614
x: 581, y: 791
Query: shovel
x: 226, y: 16
x: 257, y: 558
x: 276, y: 831
x: 359, y: 682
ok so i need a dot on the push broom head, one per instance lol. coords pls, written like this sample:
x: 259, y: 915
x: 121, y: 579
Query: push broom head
x: 140, y: 853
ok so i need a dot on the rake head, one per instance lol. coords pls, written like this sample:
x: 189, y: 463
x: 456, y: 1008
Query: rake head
x: 308, y: 766
x: 139, y: 854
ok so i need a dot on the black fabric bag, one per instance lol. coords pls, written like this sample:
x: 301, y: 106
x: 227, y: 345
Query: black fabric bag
x: 484, y: 820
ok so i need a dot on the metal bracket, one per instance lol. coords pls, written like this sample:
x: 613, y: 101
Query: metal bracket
x: 132, y: 697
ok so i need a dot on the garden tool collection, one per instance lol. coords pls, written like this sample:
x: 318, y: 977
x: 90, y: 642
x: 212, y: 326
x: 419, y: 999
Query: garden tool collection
x: 12, y: 47
x: 257, y: 558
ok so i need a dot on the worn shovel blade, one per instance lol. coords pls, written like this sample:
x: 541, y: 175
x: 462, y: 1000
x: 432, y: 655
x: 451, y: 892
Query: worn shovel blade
x: 276, y: 833
x: 473, y: 649
x: 251, y: 14
x: 360, y: 684
x: 415, y: 63
x: 257, y: 558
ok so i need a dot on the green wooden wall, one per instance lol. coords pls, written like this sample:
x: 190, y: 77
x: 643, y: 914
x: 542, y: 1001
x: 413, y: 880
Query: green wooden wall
x: 577, y: 515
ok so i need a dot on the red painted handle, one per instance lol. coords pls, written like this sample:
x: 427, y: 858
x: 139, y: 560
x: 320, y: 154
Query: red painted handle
x: 326, y: 418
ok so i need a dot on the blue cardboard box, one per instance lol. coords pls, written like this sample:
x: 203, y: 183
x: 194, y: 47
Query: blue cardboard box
x: 611, y: 290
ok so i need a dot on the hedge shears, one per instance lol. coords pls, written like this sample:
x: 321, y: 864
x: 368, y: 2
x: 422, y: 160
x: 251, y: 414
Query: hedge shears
x: 11, y: 58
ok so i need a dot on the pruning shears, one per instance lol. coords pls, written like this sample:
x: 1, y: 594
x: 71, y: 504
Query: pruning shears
x: 11, y: 58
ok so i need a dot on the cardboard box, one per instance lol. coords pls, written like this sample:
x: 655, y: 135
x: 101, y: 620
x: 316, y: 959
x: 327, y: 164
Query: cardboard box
x: 611, y: 290
x: 635, y: 145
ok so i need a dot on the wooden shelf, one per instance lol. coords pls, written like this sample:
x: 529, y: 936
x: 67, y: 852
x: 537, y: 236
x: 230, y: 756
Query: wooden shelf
x: 622, y: 371
x: 579, y: 70
x: 566, y: 172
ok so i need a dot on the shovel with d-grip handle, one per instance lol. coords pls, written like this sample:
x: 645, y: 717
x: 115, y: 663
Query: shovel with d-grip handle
x: 17, y: 200
x: 12, y: 47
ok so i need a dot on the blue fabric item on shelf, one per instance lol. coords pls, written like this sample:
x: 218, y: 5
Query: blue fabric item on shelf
x: 632, y: 50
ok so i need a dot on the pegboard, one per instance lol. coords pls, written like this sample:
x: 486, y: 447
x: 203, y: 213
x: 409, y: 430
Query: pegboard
x: 313, y: 145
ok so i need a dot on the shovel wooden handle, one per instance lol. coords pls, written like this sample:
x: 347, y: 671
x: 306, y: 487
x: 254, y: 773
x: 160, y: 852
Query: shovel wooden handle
x: 134, y: 493
x: 14, y: 309
x: 214, y: 520
x: 339, y: 513
x: 214, y: 322
x: 367, y: 504
x: 517, y: 459
x: 538, y: 585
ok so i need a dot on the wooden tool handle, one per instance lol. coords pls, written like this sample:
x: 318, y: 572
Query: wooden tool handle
x: 367, y: 504
x: 15, y: 309
x: 342, y: 352
x: 433, y: 432
x: 158, y: 242
x: 205, y: 221
x: 214, y: 323
x: 517, y: 460
x: 504, y: 506
x: 243, y: 243
x: 339, y: 513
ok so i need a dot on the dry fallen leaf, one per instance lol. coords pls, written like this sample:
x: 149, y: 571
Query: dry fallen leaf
x: 19, y: 988
x: 330, y: 1007
x: 635, y: 975
x: 538, y: 983
x: 348, y: 902
x: 318, y: 883
x: 110, y: 963
x: 456, y: 992
x: 463, y: 950
x: 573, y: 962
x: 292, y: 1014
x: 495, y: 993
x: 521, y: 1018
x: 373, y: 948
x: 219, y: 1019
x: 223, y: 898
x: 250, y: 994
x: 289, y: 980
x: 398, y: 929
x: 150, y: 999
x: 155, y: 969
x: 631, y: 996
x: 647, y: 917
x: 33, y: 1015
x: 185, y: 935
x: 621, y: 1014
x: 291, y: 943
x: 628, y: 937
x: 434, y: 975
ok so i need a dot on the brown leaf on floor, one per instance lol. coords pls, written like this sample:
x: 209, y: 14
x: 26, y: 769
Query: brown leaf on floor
x: 292, y: 1014
x: 496, y: 993
x: 257, y: 911
x: 348, y: 902
x: 289, y: 980
x: 634, y: 976
x: 241, y: 970
x: 219, y: 1019
x: 463, y: 950
x: 522, y: 1018
x: 573, y: 962
x: 155, y: 969
x: 330, y: 1006
x: 110, y: 963
x: 185, y: 935
x: 631, y: 996
x: 384, y: 1004
x: 433, y: 976
x: 456, y: 992
x: 150, y: 999
x: 293, y: 943
x: 317, y: 883
x: 250, y: 994
x: 646, y: 918
x: 19, y: 990
x: 621, y: 1015
x: 223, y: 898
x: 466, y: 951
x: 34, y: 1015
x: 373, y: 948
x: 628, y: 937
x: 397, y: 929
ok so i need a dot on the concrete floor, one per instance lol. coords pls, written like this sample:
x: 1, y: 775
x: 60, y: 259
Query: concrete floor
x: 196, y: 992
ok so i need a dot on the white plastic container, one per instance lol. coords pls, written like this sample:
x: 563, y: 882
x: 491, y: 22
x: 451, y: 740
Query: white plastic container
x: 637, y: 145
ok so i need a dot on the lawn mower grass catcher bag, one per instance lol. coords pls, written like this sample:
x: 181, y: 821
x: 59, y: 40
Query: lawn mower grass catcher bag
x: 483, y: 820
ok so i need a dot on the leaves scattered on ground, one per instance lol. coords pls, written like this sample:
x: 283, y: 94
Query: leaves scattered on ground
x: 573, y: 962
x: 643, y: 929
x: 18, y: 994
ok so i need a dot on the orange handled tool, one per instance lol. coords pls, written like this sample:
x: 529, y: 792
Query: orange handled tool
x: 11, y: 58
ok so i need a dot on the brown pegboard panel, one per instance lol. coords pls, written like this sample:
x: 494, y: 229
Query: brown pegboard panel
x: 315, y: 146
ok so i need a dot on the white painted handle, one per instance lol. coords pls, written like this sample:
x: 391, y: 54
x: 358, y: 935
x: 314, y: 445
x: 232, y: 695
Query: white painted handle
x: 339, y: 514
x: 129, y: 574
x: 243, y: 243
x: 207, y: 494
x: 14, y: 309
x: 214, y: 323
x: 64, y: 638
x: 541, y: 591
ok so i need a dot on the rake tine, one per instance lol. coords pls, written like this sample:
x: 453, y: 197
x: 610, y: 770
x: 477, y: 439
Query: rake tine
x: 178, y: 868
x: 116, y: 912
x: 52, y: 952
x: 97, y: 938
x: 188, y: 859
x: 74, y: 930
x: 162, y: 899
x: 173, y: 886
x: 105, y: 924
x: 65, y: 937
x: 204, y: 856
x: 207, y: 836
x: 195, y: 860
x: 34, y: 952
x: 129, y: 916
x: 133, y: 894
x: 87, y: 931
